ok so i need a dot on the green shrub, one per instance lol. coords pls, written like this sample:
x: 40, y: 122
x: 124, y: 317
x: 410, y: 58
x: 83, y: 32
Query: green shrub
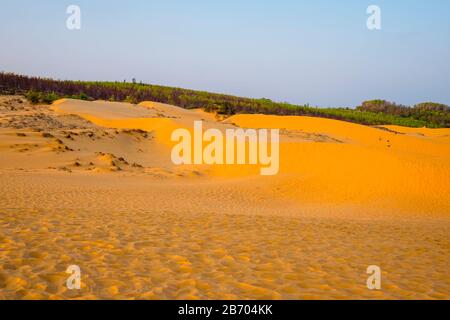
x: 33, y: 97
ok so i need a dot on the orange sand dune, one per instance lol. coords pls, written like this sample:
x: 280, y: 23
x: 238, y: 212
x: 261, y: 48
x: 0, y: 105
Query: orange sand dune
x: 92, y: 184
x: 364, y: 165
x: 322, y: 160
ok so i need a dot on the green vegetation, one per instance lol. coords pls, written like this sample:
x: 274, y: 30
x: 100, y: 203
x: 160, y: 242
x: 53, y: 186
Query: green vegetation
x: 374, y: 112
x: 432, y: 114
x: 48, y: 98
x: 41, y: 97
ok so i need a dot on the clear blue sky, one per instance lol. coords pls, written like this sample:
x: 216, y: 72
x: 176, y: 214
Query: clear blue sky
x: 318, y: 52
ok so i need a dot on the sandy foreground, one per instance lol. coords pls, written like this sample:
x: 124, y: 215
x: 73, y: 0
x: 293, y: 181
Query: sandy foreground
x: 92, y: 184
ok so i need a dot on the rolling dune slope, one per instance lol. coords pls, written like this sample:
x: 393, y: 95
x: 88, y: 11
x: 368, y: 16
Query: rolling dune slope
x: 368, y: 166
x: 93, y: 184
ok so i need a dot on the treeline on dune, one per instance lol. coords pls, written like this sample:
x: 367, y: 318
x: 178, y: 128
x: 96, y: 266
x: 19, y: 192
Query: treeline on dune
x: 373, y: 112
